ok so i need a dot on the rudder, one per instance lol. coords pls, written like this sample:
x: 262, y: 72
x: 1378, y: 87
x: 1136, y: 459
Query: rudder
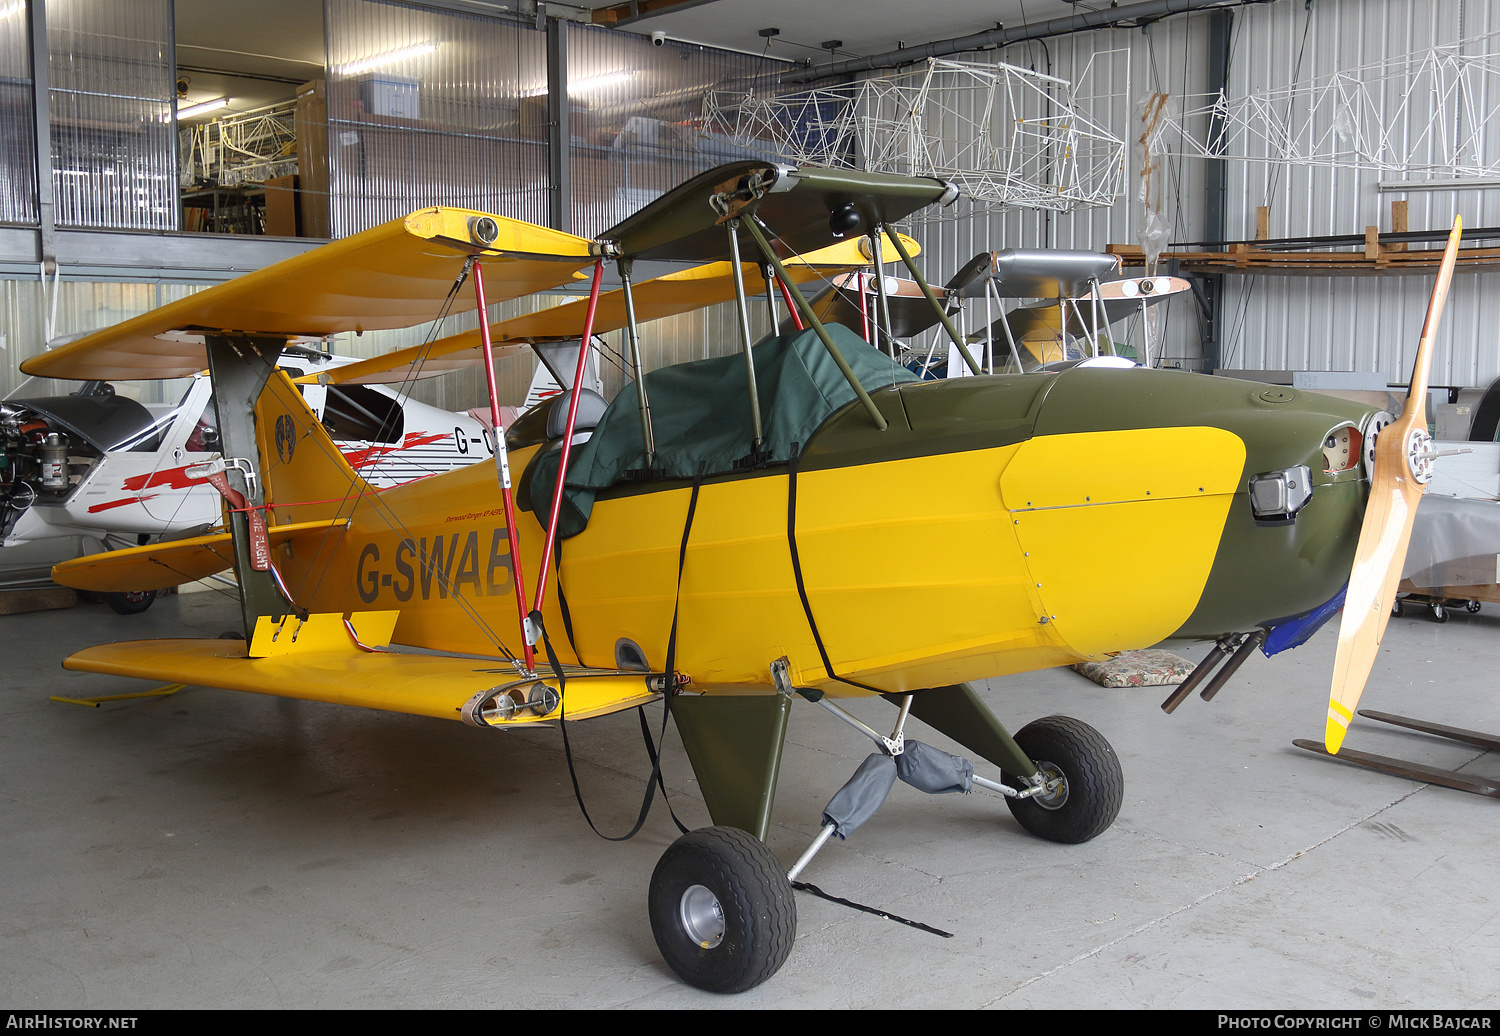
x: 306, y: 477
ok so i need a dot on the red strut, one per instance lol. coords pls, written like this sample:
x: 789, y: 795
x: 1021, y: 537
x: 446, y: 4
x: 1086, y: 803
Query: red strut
x: 796, y: 315
x: 502, y: 463
x: 567, y: 444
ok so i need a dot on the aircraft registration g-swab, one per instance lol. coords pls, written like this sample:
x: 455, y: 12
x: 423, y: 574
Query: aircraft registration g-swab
x: 724, y: 536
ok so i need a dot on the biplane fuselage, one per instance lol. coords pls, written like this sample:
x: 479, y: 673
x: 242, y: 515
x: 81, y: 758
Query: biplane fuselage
x: 917, y: 537
x: 999, y: 525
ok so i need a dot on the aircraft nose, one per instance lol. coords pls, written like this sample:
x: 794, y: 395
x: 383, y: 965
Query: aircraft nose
x: 1232, y: 435
x: 1290, y: 534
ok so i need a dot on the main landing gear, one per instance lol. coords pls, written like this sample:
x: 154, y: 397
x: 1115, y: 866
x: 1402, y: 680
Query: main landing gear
x: 132, y: 602
x: 722, y: 908
x: 1084, y: 782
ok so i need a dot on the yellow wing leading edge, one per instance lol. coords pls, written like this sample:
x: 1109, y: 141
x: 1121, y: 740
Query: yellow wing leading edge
x: 394, y: 275
x: 683, y: 291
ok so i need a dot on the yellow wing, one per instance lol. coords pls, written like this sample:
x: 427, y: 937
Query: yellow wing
x: 160, y: 565
x: 394, y: 275
x: 668, y: 295
x: 318, y: 661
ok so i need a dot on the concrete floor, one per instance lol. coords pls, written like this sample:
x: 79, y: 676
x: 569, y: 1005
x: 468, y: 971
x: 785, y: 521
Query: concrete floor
x: 214, y: 849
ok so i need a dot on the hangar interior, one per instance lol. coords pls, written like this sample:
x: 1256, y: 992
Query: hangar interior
x: 1294, y: 164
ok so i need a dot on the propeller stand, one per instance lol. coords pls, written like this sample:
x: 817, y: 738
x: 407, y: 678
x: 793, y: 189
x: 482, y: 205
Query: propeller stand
x: 1416, y: 771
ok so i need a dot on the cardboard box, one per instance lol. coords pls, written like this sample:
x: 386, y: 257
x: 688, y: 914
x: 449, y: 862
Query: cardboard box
x: 281, y: 207
x: 312, y: 159
x: 390, y: 96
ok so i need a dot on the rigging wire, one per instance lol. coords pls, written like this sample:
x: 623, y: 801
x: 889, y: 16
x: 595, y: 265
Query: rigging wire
x: 433, y: 563
x: 354, y: 494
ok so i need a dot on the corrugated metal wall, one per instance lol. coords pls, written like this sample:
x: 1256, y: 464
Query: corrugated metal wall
x: 1277, y: 322
x: 114, y: 156
x: 457, y: 115
x: 433, y: 108
x: 17, y: 122
x: 81, y: 306
x: 1354, y: 323
x: 633, y: 137
x: 1112, y: 70
x: 635, y: 114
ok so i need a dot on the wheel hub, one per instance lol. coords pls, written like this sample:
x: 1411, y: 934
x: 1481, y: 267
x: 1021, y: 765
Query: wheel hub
x: 702, y: 917
x: 1054, y: 790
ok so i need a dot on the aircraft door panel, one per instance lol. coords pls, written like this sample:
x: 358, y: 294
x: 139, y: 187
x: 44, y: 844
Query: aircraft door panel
x: 1119, y: 530
x: 620, y: 577
x: 928, y: 544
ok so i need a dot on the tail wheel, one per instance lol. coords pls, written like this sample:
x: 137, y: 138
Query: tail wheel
x: 1085, y: 784
x: 722, y: 910
x: 131, y: 603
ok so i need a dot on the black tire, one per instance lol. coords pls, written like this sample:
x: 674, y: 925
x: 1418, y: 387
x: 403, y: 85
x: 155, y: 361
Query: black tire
x: 1093, y: 786
x: 722, y: 871
x: 1472, y: 607
x: 1439, y: 612
x: 1398, y: 608
x: 131, y: 603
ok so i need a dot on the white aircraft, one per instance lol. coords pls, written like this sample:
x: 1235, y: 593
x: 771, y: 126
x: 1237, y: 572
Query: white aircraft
x: 101, y: 465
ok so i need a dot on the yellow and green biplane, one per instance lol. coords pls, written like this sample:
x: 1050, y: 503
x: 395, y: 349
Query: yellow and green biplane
x: 730, y: 534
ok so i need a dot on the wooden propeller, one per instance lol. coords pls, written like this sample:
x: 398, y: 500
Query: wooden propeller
x: 1402, y: 464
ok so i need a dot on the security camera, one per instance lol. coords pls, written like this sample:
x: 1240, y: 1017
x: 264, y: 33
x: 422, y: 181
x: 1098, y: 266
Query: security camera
x: 658, y: 39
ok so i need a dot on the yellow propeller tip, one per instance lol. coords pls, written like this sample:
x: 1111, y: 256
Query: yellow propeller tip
x: 1333, y: 736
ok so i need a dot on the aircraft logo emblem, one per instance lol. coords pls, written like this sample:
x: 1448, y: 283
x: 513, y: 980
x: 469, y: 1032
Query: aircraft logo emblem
x: 286, y: 438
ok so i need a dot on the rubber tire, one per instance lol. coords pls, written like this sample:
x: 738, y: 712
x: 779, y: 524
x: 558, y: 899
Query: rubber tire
x: 1095, y: 785
x: 1398, y: 608
x: 760, y: 909
x: 132, y: 603
x: 1472, y: 607
x: 1439, y: 612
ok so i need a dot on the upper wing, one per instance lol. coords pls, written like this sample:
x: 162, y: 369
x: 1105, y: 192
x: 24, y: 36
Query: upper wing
x: 394, y: 275
x: 668, y: 295
x: 805, y: 208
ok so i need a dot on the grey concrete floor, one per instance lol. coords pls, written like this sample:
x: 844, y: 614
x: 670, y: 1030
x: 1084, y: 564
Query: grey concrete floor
x: 214, y: 849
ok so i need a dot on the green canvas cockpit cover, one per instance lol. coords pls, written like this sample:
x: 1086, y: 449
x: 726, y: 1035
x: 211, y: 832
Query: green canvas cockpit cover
x: 700, y: 416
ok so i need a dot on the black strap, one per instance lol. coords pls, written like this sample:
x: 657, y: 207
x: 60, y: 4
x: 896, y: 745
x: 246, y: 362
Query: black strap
x: 651, y: 782
x: 687, y: 528
x: 562, y: 598
x: 651, y: 753
x: 791, y: 540
x: 655, y: 780
x: 802, y: 886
